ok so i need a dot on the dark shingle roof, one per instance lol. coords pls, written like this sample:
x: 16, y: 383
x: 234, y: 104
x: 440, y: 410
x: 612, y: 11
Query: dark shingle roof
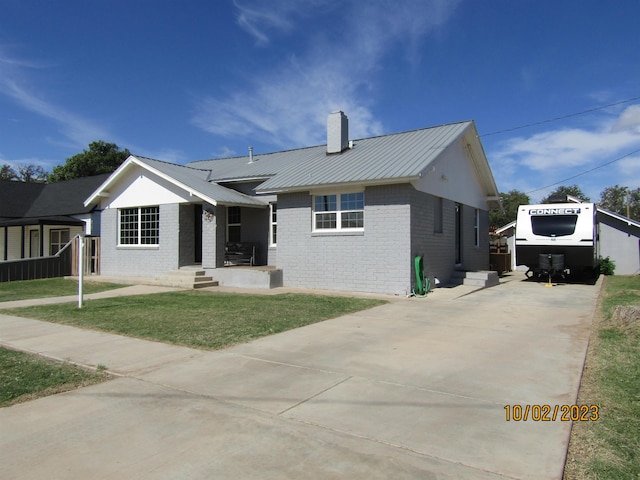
x: 37, y: 200
x: 16, y: 198
x: 65, y: 198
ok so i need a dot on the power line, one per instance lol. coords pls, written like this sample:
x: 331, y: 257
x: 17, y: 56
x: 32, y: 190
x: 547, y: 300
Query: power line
x: 561, y: 118
x: 585, y: 172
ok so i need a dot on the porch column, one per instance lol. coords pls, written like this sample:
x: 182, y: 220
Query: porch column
x: 212, y: 232
x: 42, y: 254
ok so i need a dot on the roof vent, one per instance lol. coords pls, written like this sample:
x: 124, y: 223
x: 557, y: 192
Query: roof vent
x: 337, y: 132
x: 250, y: 154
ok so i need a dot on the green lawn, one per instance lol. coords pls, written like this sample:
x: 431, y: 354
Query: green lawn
x: 25, y: 377
x: 199, y: 319
x: 610, y: 447
x: 48, y: 287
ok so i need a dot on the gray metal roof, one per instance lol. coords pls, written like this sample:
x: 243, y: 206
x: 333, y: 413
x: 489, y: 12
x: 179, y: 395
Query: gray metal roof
x: 388, y: 157
x: 197, y: 180
x: 194, y: 180
x: 622, y: 218
x: 399, y: 157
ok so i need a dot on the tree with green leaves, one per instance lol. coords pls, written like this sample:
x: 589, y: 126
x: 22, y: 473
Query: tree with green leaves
x: 564, y: 190
x: 7, y: 172
x: 508, y: 210
x: 621, y: 200
x: 23, y: 173
x: 101, y: 157
x: 32, y: 173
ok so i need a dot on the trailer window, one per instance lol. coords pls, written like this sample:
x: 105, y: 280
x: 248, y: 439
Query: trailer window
x: 554, y: 225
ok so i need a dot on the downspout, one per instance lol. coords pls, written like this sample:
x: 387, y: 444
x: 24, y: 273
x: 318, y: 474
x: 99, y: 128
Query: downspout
x: 24, y: 240
x: 6, y: 243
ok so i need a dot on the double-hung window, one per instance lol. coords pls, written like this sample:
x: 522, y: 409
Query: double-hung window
x: 139, y: 226
x: 273, y: 239
x: 58, y: 238
x: 338, y: 212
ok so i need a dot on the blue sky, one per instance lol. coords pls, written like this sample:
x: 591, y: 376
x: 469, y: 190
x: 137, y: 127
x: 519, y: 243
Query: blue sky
x: 189, y: 80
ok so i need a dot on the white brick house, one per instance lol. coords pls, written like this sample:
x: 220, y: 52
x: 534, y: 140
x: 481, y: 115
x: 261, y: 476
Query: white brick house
x: 349, y: 215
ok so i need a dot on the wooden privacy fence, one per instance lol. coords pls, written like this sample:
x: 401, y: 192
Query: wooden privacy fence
x: 63, y: 263
x: 91, y: 261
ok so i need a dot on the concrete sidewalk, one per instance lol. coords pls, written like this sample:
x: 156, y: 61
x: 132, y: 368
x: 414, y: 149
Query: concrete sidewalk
x: 412, y: 389
x: 118, y: 292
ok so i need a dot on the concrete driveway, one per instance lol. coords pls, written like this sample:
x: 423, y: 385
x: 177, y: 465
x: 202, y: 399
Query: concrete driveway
x: 412, y: 389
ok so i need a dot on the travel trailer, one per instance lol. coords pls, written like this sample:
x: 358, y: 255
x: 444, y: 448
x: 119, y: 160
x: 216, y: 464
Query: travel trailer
x: 557, y: 239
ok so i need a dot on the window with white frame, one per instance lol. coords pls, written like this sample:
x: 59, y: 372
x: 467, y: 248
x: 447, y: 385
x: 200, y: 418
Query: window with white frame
x: 139, y: 226
x: 58, y: 238
x: 340, y: 211
x: 273, y: 232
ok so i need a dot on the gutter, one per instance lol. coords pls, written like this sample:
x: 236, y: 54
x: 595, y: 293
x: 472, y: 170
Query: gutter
x: 325, y: 186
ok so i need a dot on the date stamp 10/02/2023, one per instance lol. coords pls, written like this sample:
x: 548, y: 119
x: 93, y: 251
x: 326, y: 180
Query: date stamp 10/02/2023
x: 551, y: 413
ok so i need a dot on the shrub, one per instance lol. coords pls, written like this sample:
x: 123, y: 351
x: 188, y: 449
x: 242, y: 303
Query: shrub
x: 607, y: 266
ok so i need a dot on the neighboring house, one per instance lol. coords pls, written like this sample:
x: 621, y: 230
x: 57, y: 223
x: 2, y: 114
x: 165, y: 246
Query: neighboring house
x: 619, y: 239
x: 509, y: 232
x: 38, y: 219
x: 349, y: 215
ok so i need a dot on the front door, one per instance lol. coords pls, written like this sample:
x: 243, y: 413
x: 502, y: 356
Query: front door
x: 458, y: 234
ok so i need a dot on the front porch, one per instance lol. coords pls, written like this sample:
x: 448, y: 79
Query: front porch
x: 194, y: 276
x: 264, y: 276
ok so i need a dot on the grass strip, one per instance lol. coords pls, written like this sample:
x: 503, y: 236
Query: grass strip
x: 25, y: 377
x: 610, y: 447
x: 198, y: 319
x: 49, y: 287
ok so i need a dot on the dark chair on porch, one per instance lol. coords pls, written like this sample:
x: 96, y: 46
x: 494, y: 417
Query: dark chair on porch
x: 239, y: 253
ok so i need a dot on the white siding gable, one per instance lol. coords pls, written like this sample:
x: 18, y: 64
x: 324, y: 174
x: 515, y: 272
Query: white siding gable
x: 453, y: 176
x: 140, y: 188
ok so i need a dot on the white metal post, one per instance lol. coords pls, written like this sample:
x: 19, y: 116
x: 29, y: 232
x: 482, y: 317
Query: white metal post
x: 80, y: 269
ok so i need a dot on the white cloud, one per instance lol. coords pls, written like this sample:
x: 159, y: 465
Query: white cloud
x: 288, y: 105
x: 574, y: 147
x: 568, y: 155
x: 167, y: 155
x: 262, y: 20
x: 79, y: 130
x: 629, y: 120
x: 21, y: 162
x: 224, y: 152
x: 257, y: 18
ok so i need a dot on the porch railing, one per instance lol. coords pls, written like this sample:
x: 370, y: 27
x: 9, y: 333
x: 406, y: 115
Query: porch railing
x: 63, y: 263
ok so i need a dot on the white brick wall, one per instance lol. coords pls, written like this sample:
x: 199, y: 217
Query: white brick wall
x: 398, y: 226
x: 438, y: 249
x: 376, y: 260
x: 140, y: 261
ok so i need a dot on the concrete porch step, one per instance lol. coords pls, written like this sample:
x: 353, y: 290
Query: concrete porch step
x: 481, y: 278
x: 187, y: 278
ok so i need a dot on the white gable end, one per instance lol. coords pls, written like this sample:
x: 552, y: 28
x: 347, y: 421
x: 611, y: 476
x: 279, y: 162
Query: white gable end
x: 453, y: 176
x: 141, y: 188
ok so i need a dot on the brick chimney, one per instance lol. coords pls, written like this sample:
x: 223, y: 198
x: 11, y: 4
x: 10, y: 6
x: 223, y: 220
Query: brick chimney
x: 337, y: 132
